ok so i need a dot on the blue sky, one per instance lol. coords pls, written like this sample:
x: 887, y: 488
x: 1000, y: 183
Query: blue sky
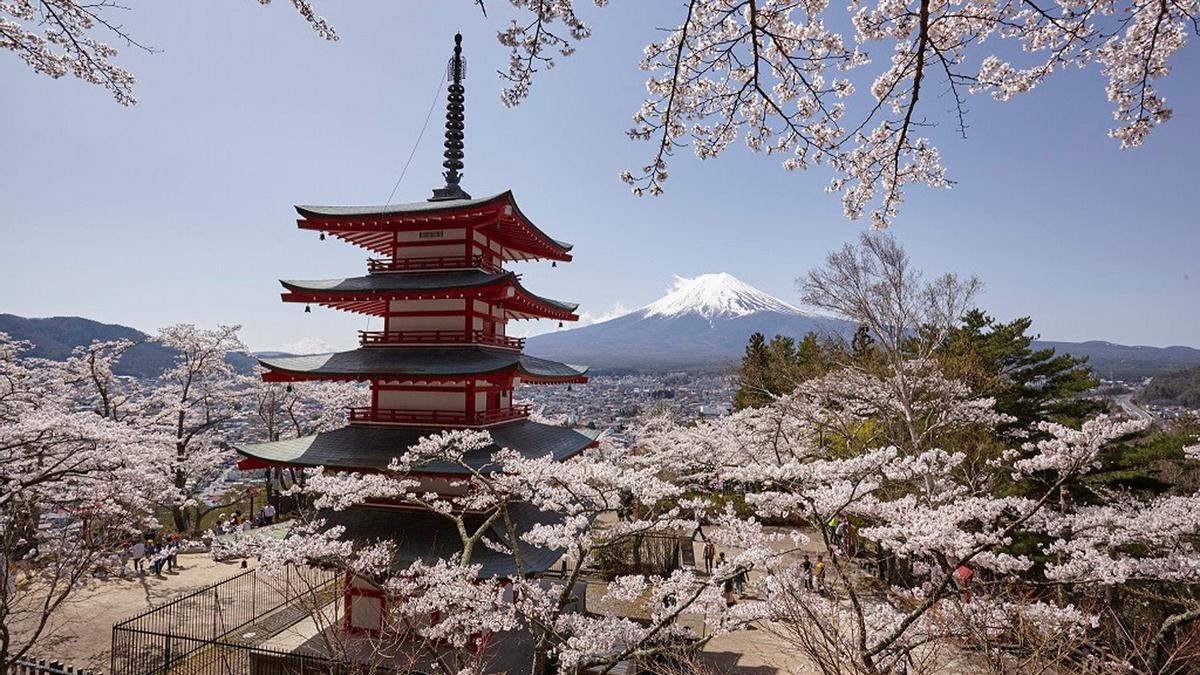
x: 179, y: 208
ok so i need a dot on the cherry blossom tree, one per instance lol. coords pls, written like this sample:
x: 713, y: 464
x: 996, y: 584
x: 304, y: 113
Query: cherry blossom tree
x: 578, y: 499
x: 300, y: 409
x: 776, y: 73
x: 74, y: 483
x: 67, y: 37
x: 779, y: 75
x: 196, y: 403
x: 822, y: 453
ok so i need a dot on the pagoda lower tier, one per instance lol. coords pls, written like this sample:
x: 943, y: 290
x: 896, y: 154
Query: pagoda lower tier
x: 370, y: 448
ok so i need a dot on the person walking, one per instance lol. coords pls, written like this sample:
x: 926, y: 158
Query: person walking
x: 819, y: 574
x: 269, y: 513
x: 806, y: 568
x: 739, y: 583
x: 727, y: 591
x: 710, y: 554
x: 138, y: 553
x: 839, y: 534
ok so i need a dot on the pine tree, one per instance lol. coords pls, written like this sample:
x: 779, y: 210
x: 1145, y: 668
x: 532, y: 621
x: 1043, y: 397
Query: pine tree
x: 774, y: 368
x: 998, y: 360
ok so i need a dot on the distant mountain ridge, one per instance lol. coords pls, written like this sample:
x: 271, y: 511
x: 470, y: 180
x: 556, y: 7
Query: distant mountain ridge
x: 1128, y: 362
x: 704, y: 323
x: 56, y: 337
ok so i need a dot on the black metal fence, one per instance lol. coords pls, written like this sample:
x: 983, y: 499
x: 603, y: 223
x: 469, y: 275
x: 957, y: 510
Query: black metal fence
x: 215, y: 629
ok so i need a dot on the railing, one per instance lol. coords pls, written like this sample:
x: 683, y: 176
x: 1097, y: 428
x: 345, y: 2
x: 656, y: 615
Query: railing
x: 436, y: 337
x: 437, y: 263
x: 452, y: 417
x: 193, y: 626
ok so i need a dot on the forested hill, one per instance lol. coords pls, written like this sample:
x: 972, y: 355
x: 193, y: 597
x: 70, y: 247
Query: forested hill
x: 1128, y: 362
x: 1178, y: 388
x: 56, y: 336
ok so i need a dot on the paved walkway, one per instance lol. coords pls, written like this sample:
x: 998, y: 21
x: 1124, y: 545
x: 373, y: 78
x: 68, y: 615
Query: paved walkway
x: 82, y: 632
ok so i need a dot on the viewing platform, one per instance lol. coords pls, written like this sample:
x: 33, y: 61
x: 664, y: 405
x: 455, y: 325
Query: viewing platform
x: 378, y: 338
x: 457, y: 418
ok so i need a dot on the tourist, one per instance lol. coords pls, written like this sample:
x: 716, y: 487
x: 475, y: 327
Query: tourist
x: 807, y: 572
x: 138, y: 553
x: 698, y: 524
x: 710, y: 554
x: 727, y: 591
x: 819, y: 574
x: 173, y: 552
x: 154, y: 555
x: 739, y: 583
x: 247, y: 525
x: 839, y: 534
x: 721, y: 559
x: 268, y: 514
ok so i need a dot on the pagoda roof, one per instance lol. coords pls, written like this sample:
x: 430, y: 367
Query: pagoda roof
x: 421, y: 363
x: 368, y: 294
x: 421, y: 535
x: 372, y: 448
x: 522, y: 239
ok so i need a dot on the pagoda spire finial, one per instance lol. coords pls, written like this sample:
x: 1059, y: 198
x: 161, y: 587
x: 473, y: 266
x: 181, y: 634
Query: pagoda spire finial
x: 456, y: 72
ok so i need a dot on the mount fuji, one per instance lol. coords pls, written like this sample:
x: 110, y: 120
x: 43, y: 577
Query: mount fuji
x: 702, y: 323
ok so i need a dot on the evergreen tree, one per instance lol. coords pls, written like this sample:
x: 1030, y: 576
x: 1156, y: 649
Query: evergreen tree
x: 862, y: 345
x: 756, y: 362
x: 774, y: 368
x: 997, y: 359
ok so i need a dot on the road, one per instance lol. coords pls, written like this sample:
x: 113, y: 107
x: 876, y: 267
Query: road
x: 1137, y: 412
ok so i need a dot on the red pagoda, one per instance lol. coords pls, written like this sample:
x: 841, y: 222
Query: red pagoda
x: 443, y: 359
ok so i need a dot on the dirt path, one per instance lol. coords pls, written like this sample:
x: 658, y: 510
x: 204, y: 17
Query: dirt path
x: 81, y: 634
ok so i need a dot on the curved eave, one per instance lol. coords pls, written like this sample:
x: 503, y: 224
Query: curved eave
x: 432, y: 364
x: 372, y: 448
x: 521, y: 305
x: 371, y: 226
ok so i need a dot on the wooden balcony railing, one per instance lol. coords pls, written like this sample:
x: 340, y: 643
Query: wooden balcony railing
x: 369, y: 338
x: 438, y: 417
x: 430, y: 264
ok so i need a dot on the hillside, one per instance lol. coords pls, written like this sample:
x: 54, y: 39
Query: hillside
x: 55, y: 337
x: 1178, y: 388
x: 1129, y: 362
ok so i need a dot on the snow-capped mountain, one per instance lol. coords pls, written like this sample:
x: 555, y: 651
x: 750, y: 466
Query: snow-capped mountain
x: 714, y: 296
x: 702, y: 323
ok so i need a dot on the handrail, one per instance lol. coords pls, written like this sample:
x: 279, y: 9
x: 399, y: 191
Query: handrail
x: 433, y: 263
x: 368, y: 338
x: 455, y: 417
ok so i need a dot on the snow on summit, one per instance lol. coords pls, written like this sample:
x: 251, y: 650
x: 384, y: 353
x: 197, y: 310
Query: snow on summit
x: 716, y: 295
